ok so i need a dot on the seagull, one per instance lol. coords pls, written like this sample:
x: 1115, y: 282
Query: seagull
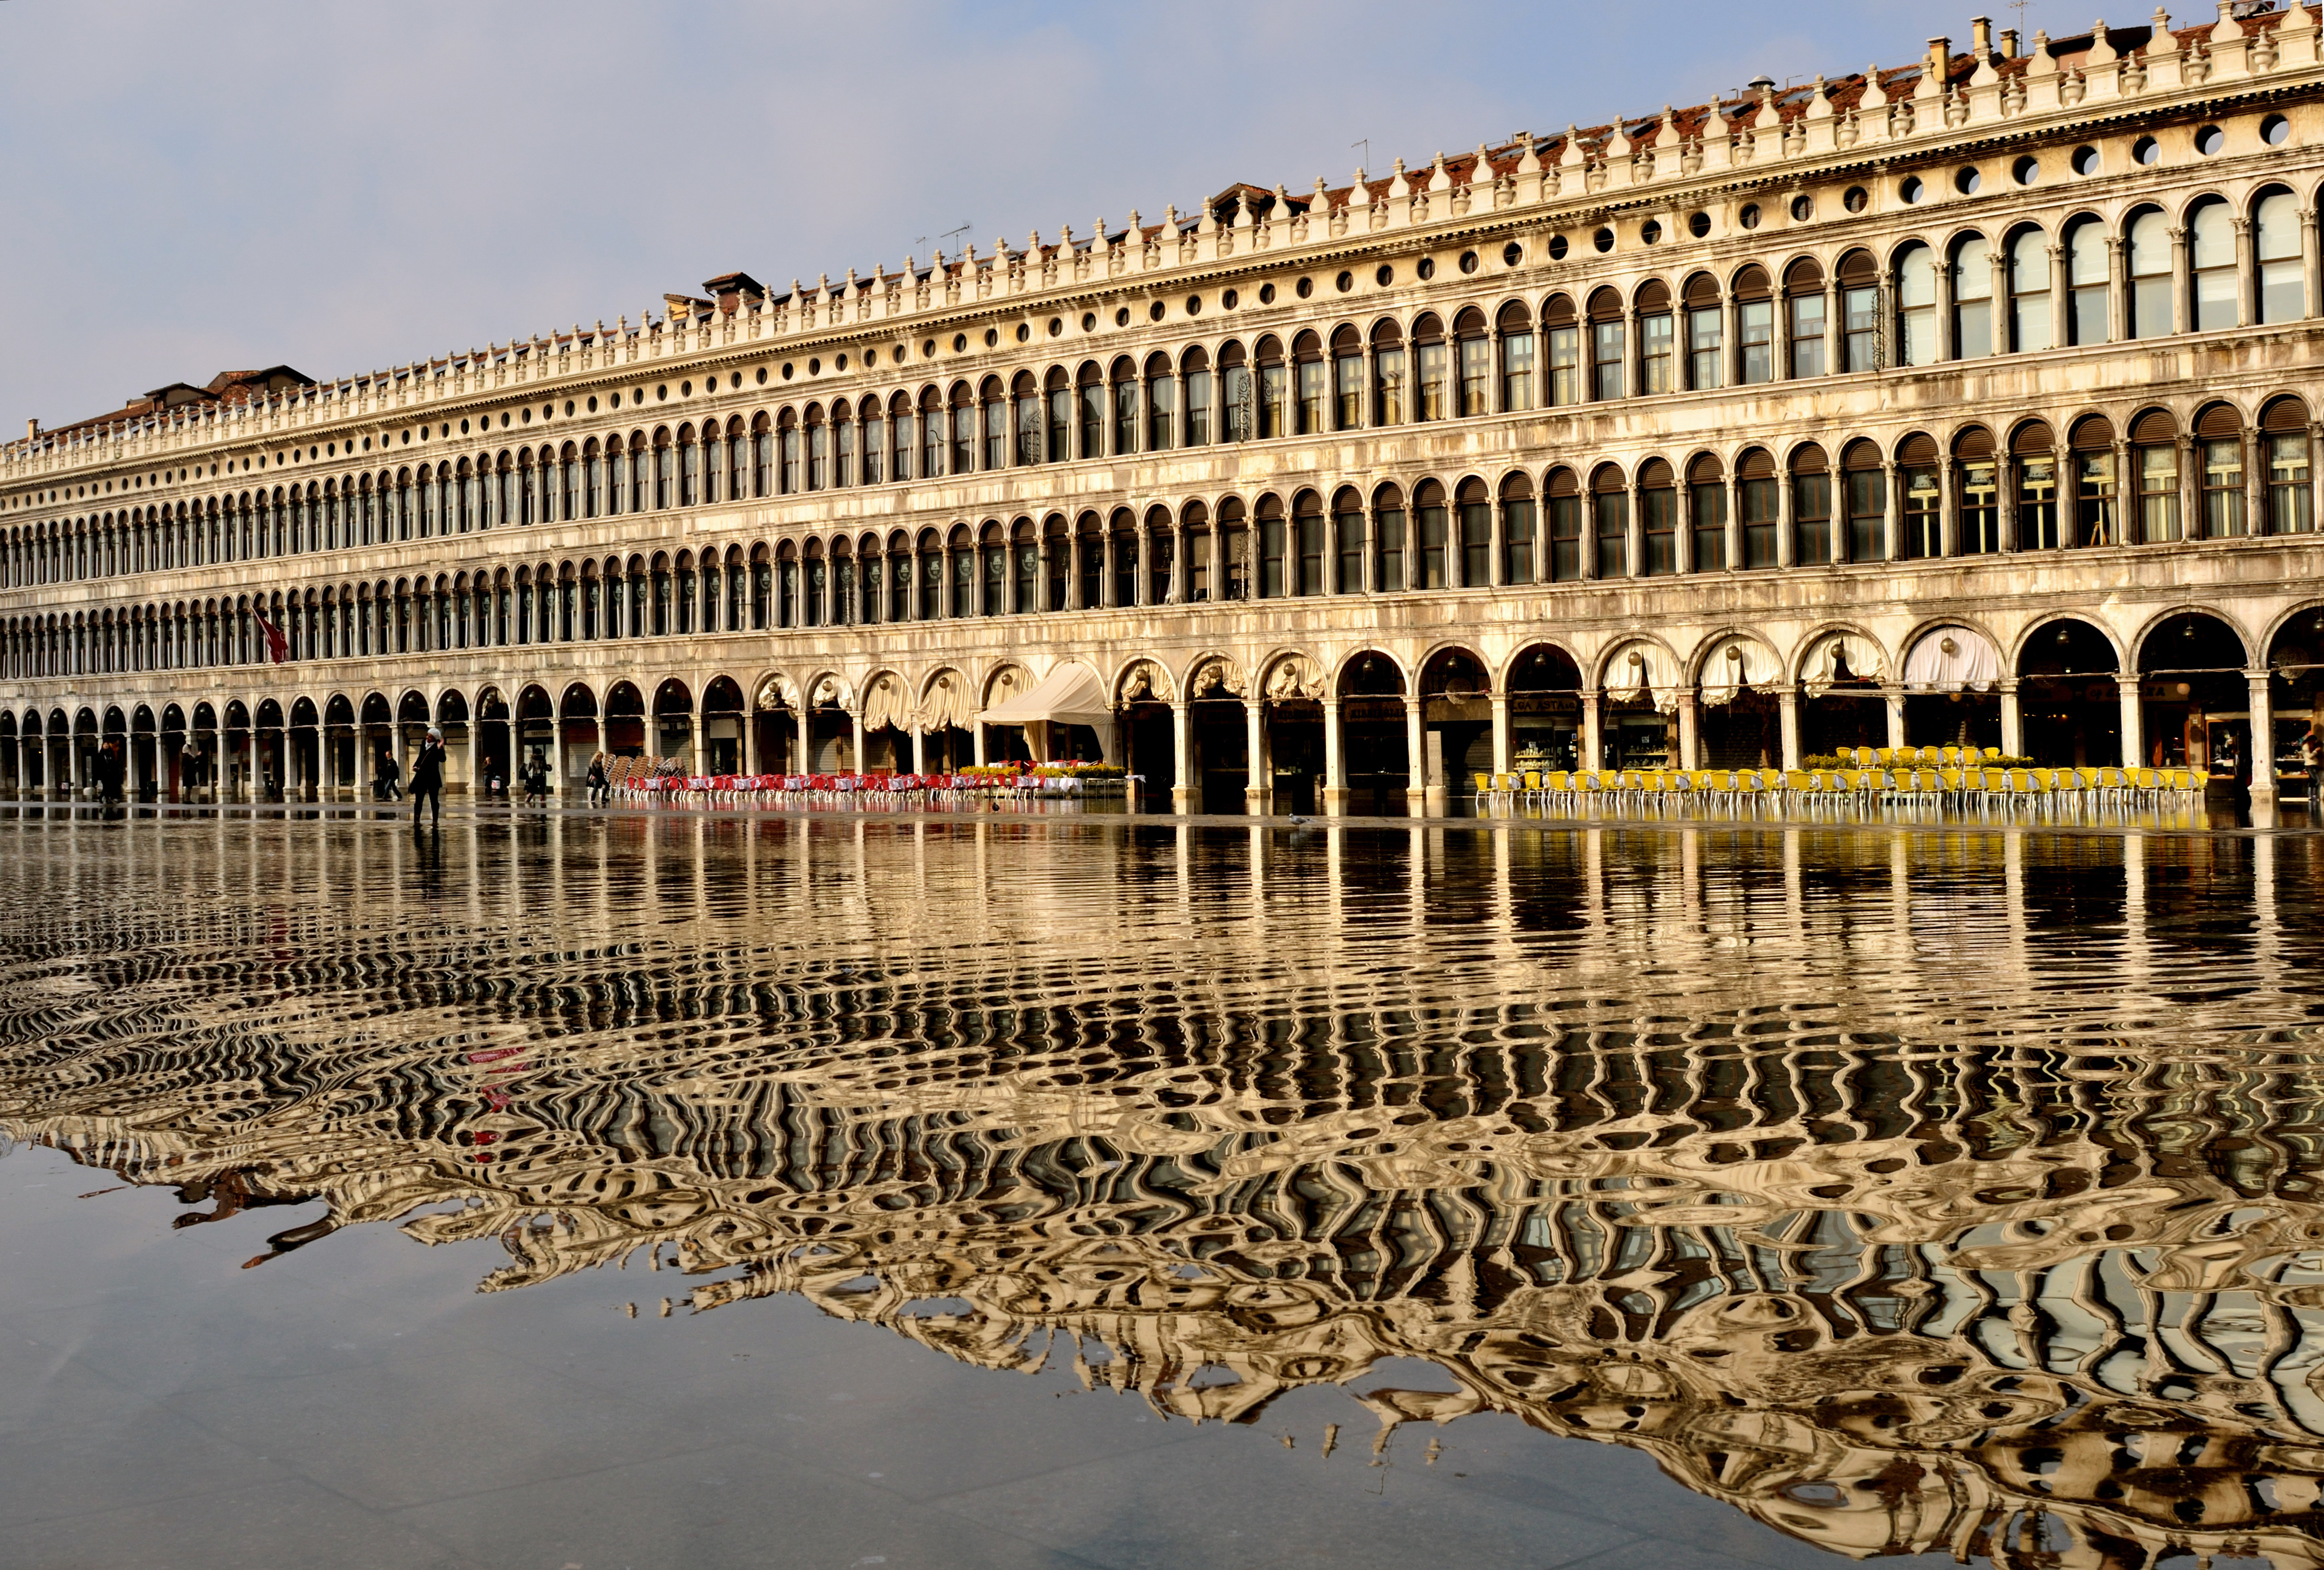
x: 1296, y: 819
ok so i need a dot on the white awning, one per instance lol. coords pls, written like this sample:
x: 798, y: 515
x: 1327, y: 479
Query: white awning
x: 885, y: 704
x: 1735, y: 664
x: 1950, y: 659
x: 1071, y: 695
x: 1839, y: 657
x: 1642, y: 672
x: 945, y: 708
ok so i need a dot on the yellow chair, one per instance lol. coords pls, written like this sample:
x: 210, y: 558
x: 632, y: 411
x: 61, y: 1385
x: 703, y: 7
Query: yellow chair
x: 1887, y: 755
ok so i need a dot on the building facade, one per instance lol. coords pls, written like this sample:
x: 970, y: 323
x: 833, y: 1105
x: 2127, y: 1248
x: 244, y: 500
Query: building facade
x: 1968, y: 401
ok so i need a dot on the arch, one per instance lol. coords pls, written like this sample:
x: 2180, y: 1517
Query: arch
x: 2205, y: 639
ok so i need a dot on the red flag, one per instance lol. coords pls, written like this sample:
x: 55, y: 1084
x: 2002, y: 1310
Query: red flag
x: 278, y: 647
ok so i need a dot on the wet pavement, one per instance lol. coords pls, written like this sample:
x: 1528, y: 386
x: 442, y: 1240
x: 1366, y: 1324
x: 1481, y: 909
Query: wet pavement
x: 695, y: 1190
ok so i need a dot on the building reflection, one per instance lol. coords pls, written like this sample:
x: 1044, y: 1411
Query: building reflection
x: 1911, y: 1192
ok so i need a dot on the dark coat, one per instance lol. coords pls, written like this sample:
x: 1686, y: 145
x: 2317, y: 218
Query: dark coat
x: 428, y: 769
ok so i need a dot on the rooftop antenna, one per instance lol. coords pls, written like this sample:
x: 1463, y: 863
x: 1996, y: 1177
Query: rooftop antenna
x: 1366, y: 144
x: 948, y: 234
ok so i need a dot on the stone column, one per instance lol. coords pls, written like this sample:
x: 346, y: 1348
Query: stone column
x: 1835, y: 335
x: 2013, y: 722
x: 919, y: 749
x: 698, y: 722
x: 1142, y: 591
x: 2133, y: 722
x: 1593, y: 749
x: 2190, y: 497
x: 2263, y: 736
x: 1686, y: 526
x: 2181, y: 281
x: 1182, y: 756
x: 1733, y: 485
x: 1336, y: 765
x: 1634, y: 530
x: 2061, y: 297
x: 1947, y: 341
x: 2117, y: 290
x: 855, y: 754
x: 1500, y: 733
x: 2247, y: 308
x: 1690, y: 731
x: 1416, y: 738
x: 976, y: 732
x: 1786, y: 548
x: 1892, y: 520
x: 1259, y: 780
x: 1948, y: 517
x: 1041, y: 569
x: 1892, y: 699
x: 2311, y: 288
x: 1788, y: 714
x: 805, y: 764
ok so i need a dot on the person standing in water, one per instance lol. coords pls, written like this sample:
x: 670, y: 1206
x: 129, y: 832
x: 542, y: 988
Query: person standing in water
x: 428, y: 780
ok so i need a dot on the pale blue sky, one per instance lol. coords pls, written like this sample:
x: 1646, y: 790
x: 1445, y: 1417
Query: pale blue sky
x: 193, y: 188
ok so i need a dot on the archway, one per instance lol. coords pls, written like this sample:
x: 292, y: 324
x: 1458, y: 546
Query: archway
x: 673, y: 727
x: 1456, y: 714
x: 274, y: 760
x: 2295, y: 662
x: 173, y: 749
x: 1843, y: 696
x: 494, y: 753
x: 144, y: 763
x: 536, y: 733
x: 305, y: 764
x: 452, y: 720
x: 2069, y: 696
x: 773, y: 726
x: 947, y: 709
x: 1738, y: 719
x: 886, y: 709
x: 721, y: 726
x: 1544, y: 690
x: 1291, y: 736
x: 1639, y: 714
x: 2193, y: 696
x: 1149, y: 740
x: 375, y: 742
x: 1375, y: 740
x: 625, y: 721
x: 1952, y: 697
x: 577, y: 734
x: 339, y: 744
x: 1218, y: 729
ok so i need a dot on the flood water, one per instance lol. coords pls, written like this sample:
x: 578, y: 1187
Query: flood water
x: 699, y: 1191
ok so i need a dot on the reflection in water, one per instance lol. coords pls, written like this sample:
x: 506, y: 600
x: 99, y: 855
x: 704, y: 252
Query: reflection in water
x: 1913, y: 1192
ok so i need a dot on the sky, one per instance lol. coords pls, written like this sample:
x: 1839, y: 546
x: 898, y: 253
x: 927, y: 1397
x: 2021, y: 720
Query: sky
x: 195, y: 188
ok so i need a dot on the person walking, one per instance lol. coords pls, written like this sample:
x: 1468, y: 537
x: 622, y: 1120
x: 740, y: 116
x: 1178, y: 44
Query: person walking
x: 601, y: 784
x: 2311, y: 758
x: 536, y: 781
x: 428, y: 780
x: 110, y: 773
x: 391, y: 776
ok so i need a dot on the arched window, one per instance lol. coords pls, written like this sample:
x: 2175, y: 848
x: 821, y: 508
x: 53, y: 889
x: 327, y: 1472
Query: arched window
x: 1234, y: 549
x: 2155, y: 458
x: 1559, y: 321
x: 1921, y: 502
x: 959, y: 455
x: 1311, y: 381
x: 2150, y: 275
x: 1865, y: 486
x: 1059, y: 434
x: 819, y: 449
x: 1195, y: 373
x: 1520, y: 389
x: 2094, y: 483
x: 1475, y: 511
x: 1654, y: 337
x: 1705, y: 333
x: 593, y: 461
x: 2220, y: 438
x: 762, y: 457
x: 1706, y: 486
x: 1274, y: 397
x: 1916, y: 306
x: 1859, y: 311
x: 792, y: 480
x: 1473, y: 358
x: 690, y: 467
x: 1348, y: 539
x: 1430, y: 523
x: 1161, y: 405
x: 870, y: 433
x: 1518, y: 527
x: 2087, y: 284
x: 1432, y: 374
x: 1810, y: 507
x: 1973, y: 272
x: 1762, y: 507
x: 1609, y: 511
x: 1308, y: 536
x: 1803, y: 318
x: 935, y: 440
x: 842, y: 445
x: 1609, y: 346
x: 1658, y: 517
x: 1980, y: 492
x: 2036, y: 466
x: 1347, y: 380
x: 1388, y: 376
x: 2029, y: 292
x: 2291, y: 505
x: 2211, y: 241
x: 996, y: 424
x: 1755, y: 316
x: 1029, y: 420
x: 2281, y: 291
x: 1564, y: 493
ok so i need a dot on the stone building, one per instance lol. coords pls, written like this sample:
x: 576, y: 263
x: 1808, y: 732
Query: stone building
x: 1963, y: 401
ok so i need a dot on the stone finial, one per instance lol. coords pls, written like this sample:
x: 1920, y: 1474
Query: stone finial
x: 1399, y: 186
x: 1819, y: 101
x: 1572, y: 156
x: 1667, y: 133
x: 911, y: 267
x: 1065, y: 236
x: 2295, y: 19
x: 1769, y: 117
x: 1282, y: 204
x: 1440, y: 178
x: 2102, y: 49
x: 1137, y: 234
x: 2228, y: 29
x: 1319, y: 200
x: 1001, y: 249
x: 1360, y: 194
x: 1170, y: 221
x: 1531, y: 162
x: 2042, y: 62
x: 2162, y: 21
x: 1873, y: 98
x: 1244, y: 218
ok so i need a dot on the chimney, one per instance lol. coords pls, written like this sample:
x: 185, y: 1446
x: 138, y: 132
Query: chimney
x: 1980, y: 32
x: 1940, y: 62
x: 32, y: 429
x: 2009, y: 43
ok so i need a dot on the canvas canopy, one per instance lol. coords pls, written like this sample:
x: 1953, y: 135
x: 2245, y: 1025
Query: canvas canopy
x: 1950, y: 659
x: 1736, y: 665
x: 1071, y: 695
